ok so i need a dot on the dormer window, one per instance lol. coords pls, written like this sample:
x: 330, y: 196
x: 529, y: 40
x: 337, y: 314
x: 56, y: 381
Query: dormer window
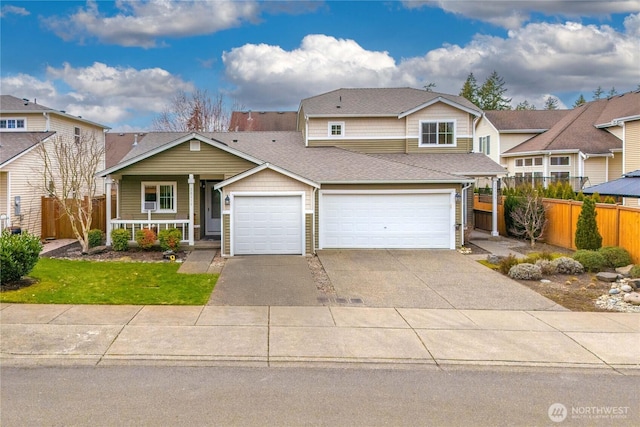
x: 336, y: 129
x: 437, y: 134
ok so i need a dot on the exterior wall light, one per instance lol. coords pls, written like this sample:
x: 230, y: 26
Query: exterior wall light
x: 458, y: 197
x: 227, y: 201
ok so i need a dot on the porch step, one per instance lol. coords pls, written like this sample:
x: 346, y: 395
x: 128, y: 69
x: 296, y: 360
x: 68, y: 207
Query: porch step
x: 198, y: 262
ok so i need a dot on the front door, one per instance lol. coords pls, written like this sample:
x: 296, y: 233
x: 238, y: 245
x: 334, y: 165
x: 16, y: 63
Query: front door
x: 212, y: 210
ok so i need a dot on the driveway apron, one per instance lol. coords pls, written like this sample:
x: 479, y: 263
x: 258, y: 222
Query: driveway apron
x: 425, y: 279
x: 265, y: 280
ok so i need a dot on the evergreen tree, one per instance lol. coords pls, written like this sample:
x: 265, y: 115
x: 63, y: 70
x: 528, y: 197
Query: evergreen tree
x: 598, y: 93
x: 587, y: 234
x: 491, y: 95
x: 551, y: 103
x: 612, y: 92
x: 579, y: 101
x: 470, y: 89
x: 524, y: 105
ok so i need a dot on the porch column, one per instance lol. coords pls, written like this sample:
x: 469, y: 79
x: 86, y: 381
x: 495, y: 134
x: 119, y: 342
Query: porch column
x: 494, y: 213
x: 191, y: 209
x: 107, y: 193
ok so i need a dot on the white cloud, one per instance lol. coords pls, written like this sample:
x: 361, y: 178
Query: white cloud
x: 13, y: 10
x: 541, y: 58
x: 512, y: 14
x: 104, y: 94
x: 142, y: 23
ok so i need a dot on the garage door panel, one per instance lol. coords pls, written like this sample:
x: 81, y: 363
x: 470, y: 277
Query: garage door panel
x: 414, y: 220
x: 267, y: 225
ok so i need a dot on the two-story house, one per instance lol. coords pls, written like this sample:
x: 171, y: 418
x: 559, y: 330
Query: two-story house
x: 25, y: 127
x: 367, y: 168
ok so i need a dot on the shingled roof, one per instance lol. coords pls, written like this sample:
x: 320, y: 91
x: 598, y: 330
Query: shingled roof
x: 247, y: 121
x: 378, y: 102
x: 117, y: 145
x: 9, y: 104
x: 12, y: 144
x: 524, y: 120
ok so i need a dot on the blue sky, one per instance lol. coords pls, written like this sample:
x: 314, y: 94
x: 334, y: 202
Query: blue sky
x: 119, y: 63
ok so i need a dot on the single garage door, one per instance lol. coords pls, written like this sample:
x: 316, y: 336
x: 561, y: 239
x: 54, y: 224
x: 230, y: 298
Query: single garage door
x: 387, y: 220
x: 267, y: 225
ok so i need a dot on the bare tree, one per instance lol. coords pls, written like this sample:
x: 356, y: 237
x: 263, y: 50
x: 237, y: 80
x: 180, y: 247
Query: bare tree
x: 68, y: 175
x: 197, y: 112
x: 529, y: 217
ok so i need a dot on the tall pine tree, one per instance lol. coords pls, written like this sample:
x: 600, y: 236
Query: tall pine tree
x: 579, y: 101
x: 470, y: 89
x: 491, y: 95
x: 587, y: 234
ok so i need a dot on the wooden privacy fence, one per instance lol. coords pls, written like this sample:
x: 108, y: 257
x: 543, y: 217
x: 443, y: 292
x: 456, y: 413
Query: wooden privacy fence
x: 618, y: 225
x: 56, y: 225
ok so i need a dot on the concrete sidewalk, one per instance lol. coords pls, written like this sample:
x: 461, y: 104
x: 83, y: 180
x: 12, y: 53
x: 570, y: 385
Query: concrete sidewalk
x: 318, y: 336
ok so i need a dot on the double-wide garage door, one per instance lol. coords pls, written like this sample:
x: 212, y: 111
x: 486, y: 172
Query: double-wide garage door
x: 387, y: 220
x: 267, y: 225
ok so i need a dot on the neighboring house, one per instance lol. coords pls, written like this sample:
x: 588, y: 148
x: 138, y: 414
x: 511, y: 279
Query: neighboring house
x: 251, y: 121
x: 368, y: 168
x: 591, y: 144
x: 24, y: 127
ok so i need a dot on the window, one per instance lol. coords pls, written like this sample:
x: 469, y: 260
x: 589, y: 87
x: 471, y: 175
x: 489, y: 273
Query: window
x: 159, y: 197
x: 336, y: 129
x: 529, y: 161
x: 560, y: 161
x: 13, y: 124
x: 194, y: 145
x: 560, y: 175
x: 485, y: 145
x: 76, y: 135
x: 437, y: 133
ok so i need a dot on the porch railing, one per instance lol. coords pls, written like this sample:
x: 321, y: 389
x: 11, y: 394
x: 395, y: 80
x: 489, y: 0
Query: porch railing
x: 133, y: 225
x: 4, y: 221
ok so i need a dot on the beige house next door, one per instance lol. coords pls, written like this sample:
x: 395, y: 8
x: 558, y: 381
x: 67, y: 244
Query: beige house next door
x: 212, y: 210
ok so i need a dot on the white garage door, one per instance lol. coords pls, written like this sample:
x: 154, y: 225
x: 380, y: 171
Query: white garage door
x: 387, y: 220
x: 267, y: 225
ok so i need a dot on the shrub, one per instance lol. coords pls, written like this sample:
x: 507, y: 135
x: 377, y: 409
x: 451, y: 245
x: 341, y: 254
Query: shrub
x: 587, y: 234
x: 506, y: 263
x: 566, y: 265
x: 592, y: 261
x: 616, y: 256
x: 525, y: 271
x: 547, y: 267
x: 120, y: 239
x: 18, y: 255
x: 509, y: 204
x: 170, y: 239
x: 635, y: 271
x: 146, y: 238
x: 533, y: 257
x: 95, y: 237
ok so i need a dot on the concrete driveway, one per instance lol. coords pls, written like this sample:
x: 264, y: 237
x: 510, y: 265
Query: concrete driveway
x: 425, y: 279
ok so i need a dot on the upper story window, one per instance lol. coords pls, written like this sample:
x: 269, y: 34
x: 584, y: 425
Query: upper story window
x: 76, y: 135
x: 160, y: 197
x: 13, y: 124
x: 437, y: 133
x: 485, y: 144
x: 559, y: 161
x: 529, y: 161
x: 336, y: 129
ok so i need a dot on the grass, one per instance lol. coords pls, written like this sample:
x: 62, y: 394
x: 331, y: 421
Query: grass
x: 60, y: 281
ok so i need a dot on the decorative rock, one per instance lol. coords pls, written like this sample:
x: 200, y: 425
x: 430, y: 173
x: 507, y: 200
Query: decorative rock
x: 633, y: 298
x: 97, y: 250
x: 605, y: 276
x: 624, y: 270
x: 494, y: 259
x: 634, y: 283
x: 545, y: 281
x: 615, y: 285
x: 626, y: 288
x: 614, y: 291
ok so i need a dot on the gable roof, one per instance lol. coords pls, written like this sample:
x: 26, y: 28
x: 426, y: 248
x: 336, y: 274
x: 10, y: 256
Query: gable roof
x: 11, y: 105
x: 627, y: 186
x: 15, y: 144
x: 391, y: 102
x: 462, y: 164
x: 524, y: 121
x: 117, y: 145
x: 620, y: 108
x: 243, y: 121
x: 576, y: 131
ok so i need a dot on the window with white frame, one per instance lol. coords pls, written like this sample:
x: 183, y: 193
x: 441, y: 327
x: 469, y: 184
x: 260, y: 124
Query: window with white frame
x: 559, y: 160
x: 485, y: 144
x: 560, y: 175
x: 76, y: 135
x: 160, y: 197
x: 529, y: 161
x: 437, y: 133
x: 336, y: 129
x: 13, y: 124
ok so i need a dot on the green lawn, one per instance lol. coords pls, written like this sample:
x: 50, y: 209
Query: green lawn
x: 89, y: 282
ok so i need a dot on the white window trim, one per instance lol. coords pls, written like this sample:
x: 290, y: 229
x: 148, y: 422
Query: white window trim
x: 331, y: 124
x: 533, y: 162
x: 16, y: 129
x: 157, y: 184
x: 484, y: 145
x: 455, y: 136
x: 560, y: 157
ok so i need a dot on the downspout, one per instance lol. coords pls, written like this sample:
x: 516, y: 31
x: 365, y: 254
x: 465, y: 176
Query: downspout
x: 47, y: 121
x: 581, y: 158
x: 464, y: 212
x: 313, y: 223
x: 222, y: 248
